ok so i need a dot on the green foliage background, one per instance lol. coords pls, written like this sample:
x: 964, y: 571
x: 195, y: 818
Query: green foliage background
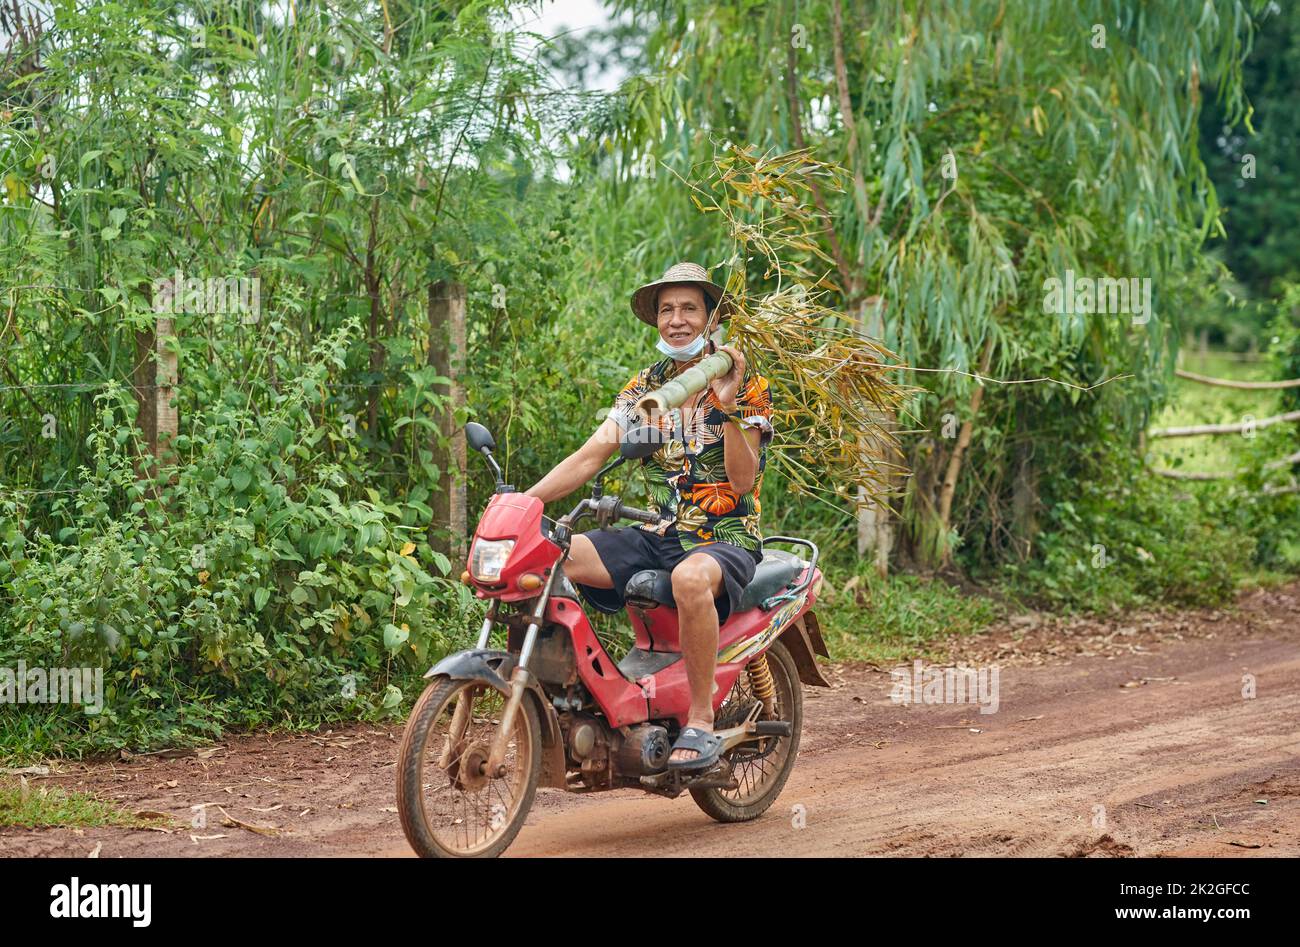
x: 275, y: 568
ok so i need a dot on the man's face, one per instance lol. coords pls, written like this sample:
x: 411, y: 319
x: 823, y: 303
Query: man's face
x: 681, y: 315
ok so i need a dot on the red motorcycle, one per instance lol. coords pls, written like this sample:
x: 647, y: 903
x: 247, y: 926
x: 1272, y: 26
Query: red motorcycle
x: 552, y: 708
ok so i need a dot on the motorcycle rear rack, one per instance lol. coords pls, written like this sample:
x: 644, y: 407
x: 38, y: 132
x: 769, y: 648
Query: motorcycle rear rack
x: 791, y: 594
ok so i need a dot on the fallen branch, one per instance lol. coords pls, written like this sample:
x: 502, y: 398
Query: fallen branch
x: 1275, y: 491
x: 1286, y: 461
x: 1229, y: 383
x: 1268, y: 491
x: 1197, y: 429
x: 1192, y: 474
x: 238, y: 823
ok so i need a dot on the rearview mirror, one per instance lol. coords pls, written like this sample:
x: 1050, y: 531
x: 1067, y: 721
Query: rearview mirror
x: 641, y: 442
x: 478, y: 437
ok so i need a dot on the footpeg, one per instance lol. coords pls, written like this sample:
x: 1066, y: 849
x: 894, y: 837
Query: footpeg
x: 721, y: 777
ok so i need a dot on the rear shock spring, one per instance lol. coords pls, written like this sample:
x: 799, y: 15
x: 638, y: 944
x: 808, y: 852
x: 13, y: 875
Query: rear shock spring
x: 760, y: 681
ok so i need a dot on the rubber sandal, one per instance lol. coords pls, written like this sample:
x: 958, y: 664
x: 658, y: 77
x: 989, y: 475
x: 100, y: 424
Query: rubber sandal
x: 706, y: 745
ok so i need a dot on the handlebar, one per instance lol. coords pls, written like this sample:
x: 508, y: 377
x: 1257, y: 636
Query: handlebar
x: 607, y: 511
x: 643, y: 516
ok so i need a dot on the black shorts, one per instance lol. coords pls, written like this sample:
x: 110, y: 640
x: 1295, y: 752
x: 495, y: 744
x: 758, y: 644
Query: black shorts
x: 626, y: 551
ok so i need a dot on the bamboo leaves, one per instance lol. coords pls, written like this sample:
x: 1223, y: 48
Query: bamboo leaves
x: 830, y: 381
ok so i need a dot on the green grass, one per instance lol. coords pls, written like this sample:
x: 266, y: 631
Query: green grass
x: 39, y: 807
x: 1195, y: 403
x: 888, y: 621
x: 33, y: 733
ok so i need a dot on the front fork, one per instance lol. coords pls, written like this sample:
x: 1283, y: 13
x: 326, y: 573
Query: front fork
x: 520, y: 678
x: 460, y: 718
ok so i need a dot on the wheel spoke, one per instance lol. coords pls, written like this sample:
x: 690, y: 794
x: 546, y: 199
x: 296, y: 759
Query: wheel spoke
x: 755, y: 765
x: 468, y: 811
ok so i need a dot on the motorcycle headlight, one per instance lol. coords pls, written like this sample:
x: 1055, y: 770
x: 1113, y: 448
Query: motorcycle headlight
x: 489, y: 558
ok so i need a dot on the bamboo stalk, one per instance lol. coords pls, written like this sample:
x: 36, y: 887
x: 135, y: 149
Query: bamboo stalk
x: 677, y: 390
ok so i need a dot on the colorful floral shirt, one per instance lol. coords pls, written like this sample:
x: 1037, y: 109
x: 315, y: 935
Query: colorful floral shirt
x: 687, y: 477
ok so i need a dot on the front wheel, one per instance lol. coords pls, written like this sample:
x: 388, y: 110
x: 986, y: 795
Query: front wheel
x: 449, y: 806
x: 758, y: 768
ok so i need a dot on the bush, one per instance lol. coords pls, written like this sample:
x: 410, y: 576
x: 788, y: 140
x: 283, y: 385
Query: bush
x: 245, y: 584
x: 1134, y: 539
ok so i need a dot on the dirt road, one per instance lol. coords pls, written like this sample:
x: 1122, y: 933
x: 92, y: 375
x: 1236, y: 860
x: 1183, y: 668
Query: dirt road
x: 1130, y: 736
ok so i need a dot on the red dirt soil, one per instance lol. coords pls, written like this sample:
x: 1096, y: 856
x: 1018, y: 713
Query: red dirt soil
x: 1128, y: 736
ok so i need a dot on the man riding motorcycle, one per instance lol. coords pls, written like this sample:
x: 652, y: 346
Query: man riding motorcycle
x: 705, y: 480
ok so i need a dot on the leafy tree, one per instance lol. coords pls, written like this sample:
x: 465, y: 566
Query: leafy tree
x: 1252, y: 162
x: 991, y: 147
x: 265, y: 540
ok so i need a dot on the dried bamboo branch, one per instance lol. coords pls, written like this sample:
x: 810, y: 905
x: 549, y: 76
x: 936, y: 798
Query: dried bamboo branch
x: 831, y: 384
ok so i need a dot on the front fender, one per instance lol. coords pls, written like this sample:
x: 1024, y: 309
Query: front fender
x: 494, y: 668
x: 476, y: 664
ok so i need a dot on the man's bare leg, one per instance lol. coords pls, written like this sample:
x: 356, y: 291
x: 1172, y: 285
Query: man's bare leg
x: 697, y: 580
x: 584, y: 565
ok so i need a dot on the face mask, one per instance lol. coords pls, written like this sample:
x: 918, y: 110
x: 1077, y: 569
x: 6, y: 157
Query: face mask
x: 689, y: 350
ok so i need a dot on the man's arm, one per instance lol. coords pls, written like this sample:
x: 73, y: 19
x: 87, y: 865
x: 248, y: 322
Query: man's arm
x: 740, y: 455
x: 741, y: 442
x: 580, y: 466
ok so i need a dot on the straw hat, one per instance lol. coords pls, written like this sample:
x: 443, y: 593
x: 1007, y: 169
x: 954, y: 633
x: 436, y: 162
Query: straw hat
x: 681, y: 274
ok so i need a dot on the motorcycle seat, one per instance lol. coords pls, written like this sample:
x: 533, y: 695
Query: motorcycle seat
x: 776, y: 571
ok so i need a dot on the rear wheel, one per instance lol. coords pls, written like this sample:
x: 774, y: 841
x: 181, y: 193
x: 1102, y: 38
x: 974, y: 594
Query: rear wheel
x: 449, y: 805
x: 759, y: 768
